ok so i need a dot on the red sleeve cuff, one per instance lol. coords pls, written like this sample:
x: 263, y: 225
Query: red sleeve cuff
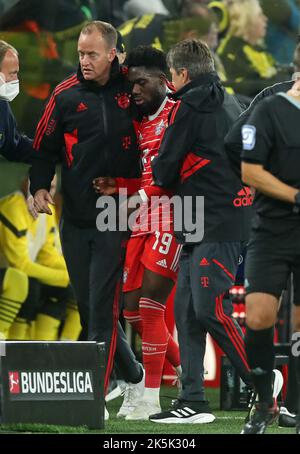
x: 131, y: 184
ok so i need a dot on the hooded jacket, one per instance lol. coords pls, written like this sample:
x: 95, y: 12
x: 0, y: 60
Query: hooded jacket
x: 89, y: 129
x: 193, y: 162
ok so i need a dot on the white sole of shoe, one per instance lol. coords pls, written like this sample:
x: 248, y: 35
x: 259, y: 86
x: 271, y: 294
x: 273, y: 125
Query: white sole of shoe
x: 116, y: 392
x: 204, y: 418
x: 122, y: 416
x: 144, y: 417
x: 278, y: 383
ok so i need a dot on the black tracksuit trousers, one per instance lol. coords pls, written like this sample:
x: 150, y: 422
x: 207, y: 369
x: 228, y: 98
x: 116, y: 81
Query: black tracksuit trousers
x: 206, y: 272
x: 95, y: 263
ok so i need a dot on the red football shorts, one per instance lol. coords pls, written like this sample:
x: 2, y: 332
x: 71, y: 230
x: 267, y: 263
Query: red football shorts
x: 158, y: 252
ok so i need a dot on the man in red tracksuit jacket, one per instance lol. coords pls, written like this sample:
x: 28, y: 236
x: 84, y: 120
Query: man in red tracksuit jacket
x: 87, y: 126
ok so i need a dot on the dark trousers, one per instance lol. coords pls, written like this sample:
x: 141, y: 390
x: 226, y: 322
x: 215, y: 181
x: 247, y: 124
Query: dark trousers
x: 95, y: 263
x: 206, y: 272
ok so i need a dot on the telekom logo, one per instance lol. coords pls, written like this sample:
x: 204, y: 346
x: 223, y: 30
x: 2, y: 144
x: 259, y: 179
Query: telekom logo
x: 14, y: 382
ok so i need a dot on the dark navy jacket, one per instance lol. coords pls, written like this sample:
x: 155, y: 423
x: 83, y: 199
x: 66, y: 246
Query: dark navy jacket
x: 13, y: 145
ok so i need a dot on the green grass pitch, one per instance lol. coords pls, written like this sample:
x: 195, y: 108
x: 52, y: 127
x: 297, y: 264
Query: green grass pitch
x: 229, y: 422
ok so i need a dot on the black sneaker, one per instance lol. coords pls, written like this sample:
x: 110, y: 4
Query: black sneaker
x: 286, y: 419
x: 251, y: 406
x: 276, y: 385
x: 184, y: 412
x: 262, y: 417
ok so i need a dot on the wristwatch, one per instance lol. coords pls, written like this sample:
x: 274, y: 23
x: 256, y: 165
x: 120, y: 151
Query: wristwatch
x: 296, y: 208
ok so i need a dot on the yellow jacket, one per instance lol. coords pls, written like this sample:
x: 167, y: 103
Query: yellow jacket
x: 28, y: 244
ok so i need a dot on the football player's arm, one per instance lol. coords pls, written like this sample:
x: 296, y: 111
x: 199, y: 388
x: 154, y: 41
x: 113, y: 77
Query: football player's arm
x: 110, y: 186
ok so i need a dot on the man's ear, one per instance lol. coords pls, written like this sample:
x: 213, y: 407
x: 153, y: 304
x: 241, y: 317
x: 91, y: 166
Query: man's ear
x: 112, y: 53
x: 163, y: 79
x: 185, y: 75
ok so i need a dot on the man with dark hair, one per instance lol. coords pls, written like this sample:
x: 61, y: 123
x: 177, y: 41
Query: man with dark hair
x: 152, y: 252
x: 270, y: 164
x: 88, y: 126
x: 192, y: 161
x: 13, y: 145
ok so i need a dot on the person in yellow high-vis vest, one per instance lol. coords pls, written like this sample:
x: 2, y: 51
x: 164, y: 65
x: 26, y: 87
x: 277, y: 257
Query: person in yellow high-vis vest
x: 30, y: 246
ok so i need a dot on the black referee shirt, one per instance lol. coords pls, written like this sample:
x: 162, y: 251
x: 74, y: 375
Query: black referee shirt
x: 271, y: 137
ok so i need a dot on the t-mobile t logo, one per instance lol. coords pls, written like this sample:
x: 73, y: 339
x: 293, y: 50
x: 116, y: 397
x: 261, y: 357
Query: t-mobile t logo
x: 205, y: 281
x: 14, y: 382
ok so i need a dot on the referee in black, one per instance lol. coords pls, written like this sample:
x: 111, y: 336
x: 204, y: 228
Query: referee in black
x: 271, y: 160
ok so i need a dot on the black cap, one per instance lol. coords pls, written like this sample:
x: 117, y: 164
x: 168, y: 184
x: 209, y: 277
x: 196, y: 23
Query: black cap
x: 120, y: 43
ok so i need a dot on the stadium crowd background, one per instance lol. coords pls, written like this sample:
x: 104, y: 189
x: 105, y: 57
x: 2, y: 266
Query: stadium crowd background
x: 246, y: 49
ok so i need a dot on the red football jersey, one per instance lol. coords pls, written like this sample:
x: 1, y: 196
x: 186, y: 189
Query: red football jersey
x: 150, y: 132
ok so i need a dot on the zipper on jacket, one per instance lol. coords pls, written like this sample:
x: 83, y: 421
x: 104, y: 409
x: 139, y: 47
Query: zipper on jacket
x: 105, y: 127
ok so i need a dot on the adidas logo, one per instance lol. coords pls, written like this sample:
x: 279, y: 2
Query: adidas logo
x: 81, y: 107
x: 162, y: 263
x: 204, y: 262
x: 245, y: 198
x: 183, y: 412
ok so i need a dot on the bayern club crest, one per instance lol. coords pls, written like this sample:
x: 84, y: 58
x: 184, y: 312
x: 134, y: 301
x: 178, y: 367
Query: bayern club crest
x: 123, y: 100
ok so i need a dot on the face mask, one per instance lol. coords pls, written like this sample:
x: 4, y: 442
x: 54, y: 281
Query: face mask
x: 9, y: 90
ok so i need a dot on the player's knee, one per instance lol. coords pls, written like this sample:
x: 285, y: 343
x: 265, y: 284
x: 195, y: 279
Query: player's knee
x: 259, y: 319
x: 296, y: 318
x: 261, y: 311
x: 131, y: 300
x: 297, y: 325
x: 258, y: 322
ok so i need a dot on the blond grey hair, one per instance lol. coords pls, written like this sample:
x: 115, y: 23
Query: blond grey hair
x: 4, y: 47
x: 241, y: 16
x: 106, y: 30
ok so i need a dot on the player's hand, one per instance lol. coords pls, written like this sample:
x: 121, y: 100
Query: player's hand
x: 31, y: 208
x: 42, y: 199
x: 105, y: 185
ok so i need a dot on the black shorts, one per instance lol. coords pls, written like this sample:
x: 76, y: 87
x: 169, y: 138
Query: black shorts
x: 271, y: 258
